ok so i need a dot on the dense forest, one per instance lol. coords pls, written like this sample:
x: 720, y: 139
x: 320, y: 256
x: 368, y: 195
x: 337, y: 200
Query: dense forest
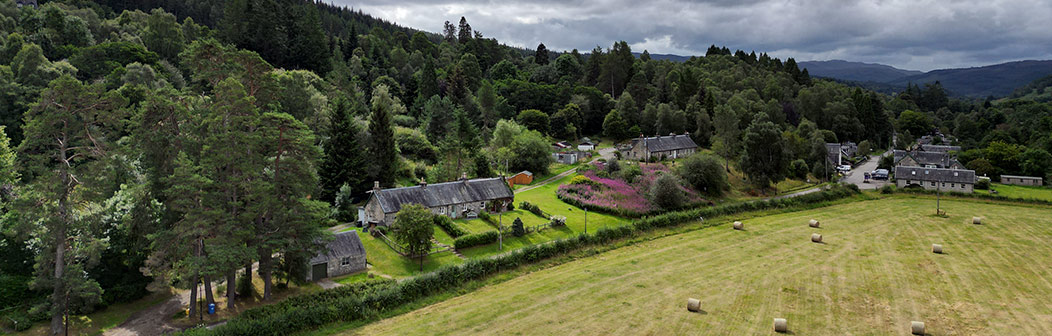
x: 147, y: 144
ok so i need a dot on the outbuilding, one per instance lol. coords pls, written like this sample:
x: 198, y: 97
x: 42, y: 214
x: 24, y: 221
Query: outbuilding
x: 1022, y: 180
x: 345, y: 254
x: 522, y: 178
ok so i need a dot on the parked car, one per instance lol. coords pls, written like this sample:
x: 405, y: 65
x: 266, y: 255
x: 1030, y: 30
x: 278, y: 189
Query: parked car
x: 880, y: 174
x: 843, y: 168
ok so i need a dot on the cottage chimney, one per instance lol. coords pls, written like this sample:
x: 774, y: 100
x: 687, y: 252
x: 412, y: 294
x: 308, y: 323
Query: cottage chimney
x: 376, y: 185
x: 423, y: 182
x: 464, y: 176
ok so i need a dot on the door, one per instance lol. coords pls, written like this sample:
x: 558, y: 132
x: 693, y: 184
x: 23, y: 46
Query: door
x: 319, y: 271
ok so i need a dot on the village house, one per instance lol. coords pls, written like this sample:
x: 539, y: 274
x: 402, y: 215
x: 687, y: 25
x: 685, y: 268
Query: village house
x: 345, y: 254
x: 586, y: 145
x: 1022, y: 180
x: 662, y: 147
x: 926, y: 159
x: 464, y: 198
x: 841, y: 153
x: 21, y: 3
x: 956, y: 180
x: 565, y: 157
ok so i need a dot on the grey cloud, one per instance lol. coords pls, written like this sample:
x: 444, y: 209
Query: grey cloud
x: 912, y: 34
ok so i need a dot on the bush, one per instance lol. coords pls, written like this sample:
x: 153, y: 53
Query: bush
x: 888, y: 189
x: 19, y: 321
x: 517, y: 228
x: 244, y: 286
x: 666, y: 192
x: 982, y: 184
x: 630, y: 172
x: 16, y: 290
x: 485, y: 216
x: 798, y: 168
x: 477, y: 239
x: 557, y: 221
x: 705, y: 173
x: 536, y: 210
x: 581, y: 179
x: 449, y: 226
x: 612, y: 166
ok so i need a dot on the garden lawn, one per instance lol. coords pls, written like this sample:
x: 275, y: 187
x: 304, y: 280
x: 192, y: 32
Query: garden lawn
x: 388, y: 262
x: 1016, y: 191
x: 872, y: 276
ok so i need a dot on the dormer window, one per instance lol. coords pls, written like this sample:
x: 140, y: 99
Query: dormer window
x: 914, y: 172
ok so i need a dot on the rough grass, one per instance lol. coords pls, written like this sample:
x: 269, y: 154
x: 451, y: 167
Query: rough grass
x: 386, y: 261
x: 1016, y: 191
x: 874, y: 275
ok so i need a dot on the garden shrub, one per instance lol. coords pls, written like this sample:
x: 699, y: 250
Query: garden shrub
x: 982, y: 184
x: 449, y: 226
x: 557, y: 221
x: 581, y: 179
x: 517, y: 228
x: 477, y: 239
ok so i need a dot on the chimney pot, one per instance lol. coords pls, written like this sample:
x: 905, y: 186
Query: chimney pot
x: 376, y: 185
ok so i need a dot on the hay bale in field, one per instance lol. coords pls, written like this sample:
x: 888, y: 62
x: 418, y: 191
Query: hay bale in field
x: 977, y: 220
x: 780, y: 325
x: 817, y: 238
x: 936, y: 248
x: 917, y: 328
x: 693, y: 305
x: 813, y: 223
x: 739, y: 226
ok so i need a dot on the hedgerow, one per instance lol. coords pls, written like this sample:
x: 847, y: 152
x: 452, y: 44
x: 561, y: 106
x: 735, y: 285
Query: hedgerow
x: 370, y: 300
x: 449, y: 226
x: 477, y: 239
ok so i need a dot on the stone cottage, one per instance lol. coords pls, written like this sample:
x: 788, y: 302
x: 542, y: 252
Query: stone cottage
x: 345, y: 254
x: 957, y: 180
x: 459, y: 199
x: 662, y: 147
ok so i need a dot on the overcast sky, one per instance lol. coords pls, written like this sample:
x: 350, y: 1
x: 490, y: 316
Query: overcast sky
x: 909, y: 34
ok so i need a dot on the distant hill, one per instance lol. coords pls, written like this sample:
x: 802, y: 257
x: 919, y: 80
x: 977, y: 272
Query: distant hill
x: 1039, y: 90
x: 856, y: 71
x: 993, y: 80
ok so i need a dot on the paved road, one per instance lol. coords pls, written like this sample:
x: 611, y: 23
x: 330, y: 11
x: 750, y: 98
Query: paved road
x: 858, y: 175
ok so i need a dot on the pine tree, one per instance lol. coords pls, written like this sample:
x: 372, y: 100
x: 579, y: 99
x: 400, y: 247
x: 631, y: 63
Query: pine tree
x: 66, y: 137
x: 764, y: 158
x: 343, y: 161
x: 382, y: 150
x: 464, y: 35
x: 541, y: 56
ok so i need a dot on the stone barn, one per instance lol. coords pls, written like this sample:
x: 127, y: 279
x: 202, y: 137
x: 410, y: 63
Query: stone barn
x: 459, y: 199
x: 345, y: 254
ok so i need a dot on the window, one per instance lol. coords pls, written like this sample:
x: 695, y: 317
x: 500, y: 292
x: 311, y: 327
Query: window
x: 953, y: 185
x: 944, y: 184
x: 932, y: 184
x: 346, y: 261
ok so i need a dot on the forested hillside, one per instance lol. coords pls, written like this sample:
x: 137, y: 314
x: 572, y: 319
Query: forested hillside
x: 168, y: 142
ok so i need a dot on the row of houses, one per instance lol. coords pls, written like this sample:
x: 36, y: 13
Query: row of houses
x: 933, y: 167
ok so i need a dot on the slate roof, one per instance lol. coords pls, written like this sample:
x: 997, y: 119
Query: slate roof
x: 442, y: 194
x: 667, y: 143
x: 345, y: 244
x: 1022, y: 177
x: 940, y: 148
x: 940, y: 159
x: 935, y: 174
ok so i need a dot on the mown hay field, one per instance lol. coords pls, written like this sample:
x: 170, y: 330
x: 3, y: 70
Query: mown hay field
x: 873, y: 274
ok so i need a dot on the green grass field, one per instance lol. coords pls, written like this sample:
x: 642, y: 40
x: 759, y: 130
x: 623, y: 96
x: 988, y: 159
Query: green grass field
x: 872, y: 276
x: 1016, y: 191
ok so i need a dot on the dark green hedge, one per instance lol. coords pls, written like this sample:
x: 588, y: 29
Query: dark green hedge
x: 449, y: 226
x: 477, y: 239
x: 369, y: 301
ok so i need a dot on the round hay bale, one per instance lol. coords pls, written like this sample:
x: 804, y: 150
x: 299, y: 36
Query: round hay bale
x: 917, y: 328
x: 739, y: 226
x: 780, y: 325
x: 936, y: 248
x: 977, y: 220
x: 813, y: 223
x: 693, y: 305
x: 817, y: 238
